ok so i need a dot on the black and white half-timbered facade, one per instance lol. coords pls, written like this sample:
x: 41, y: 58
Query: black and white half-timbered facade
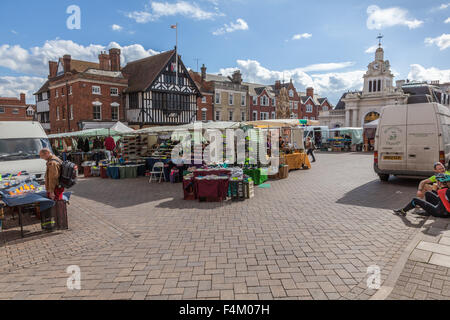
x: 155, y: 97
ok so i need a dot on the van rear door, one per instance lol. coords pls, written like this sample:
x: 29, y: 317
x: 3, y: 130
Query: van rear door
x: 392, y: 138
x: 423, y: 137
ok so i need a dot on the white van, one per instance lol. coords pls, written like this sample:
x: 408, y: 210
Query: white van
x: 20, y: 143
x: 410, y: 139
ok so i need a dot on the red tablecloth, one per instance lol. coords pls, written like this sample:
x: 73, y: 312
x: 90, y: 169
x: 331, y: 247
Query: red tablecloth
x: 211, y: 190
x: 212, y: 172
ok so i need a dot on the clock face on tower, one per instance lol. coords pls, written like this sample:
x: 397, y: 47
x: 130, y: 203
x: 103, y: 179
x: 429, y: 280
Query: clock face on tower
x: 376, y: 66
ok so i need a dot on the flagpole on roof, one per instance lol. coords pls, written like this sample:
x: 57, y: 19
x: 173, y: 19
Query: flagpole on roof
x: 176, y: 51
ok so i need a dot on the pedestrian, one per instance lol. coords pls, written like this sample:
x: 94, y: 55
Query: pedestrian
x: 436, y: 205
x: 310, y: 147
x: 52, y: 174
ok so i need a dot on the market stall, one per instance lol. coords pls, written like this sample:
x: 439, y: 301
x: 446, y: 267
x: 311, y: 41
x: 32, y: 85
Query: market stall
x: 345, y: 139
x: 20, y: 192
x: 369, y: 133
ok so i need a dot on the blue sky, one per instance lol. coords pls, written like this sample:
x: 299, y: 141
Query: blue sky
x: 322, y: 43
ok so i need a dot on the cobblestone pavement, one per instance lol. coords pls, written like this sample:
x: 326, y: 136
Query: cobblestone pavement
x: 311, y: 236
x: 426, y: 275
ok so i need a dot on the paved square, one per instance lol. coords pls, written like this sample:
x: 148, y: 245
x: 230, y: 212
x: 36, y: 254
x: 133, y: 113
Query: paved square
x: 312, y: 236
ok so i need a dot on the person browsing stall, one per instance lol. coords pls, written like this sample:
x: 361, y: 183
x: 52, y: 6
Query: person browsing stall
x: 52, y: 174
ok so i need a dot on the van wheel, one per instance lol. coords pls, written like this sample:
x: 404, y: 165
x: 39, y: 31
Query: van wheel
x: 384, y: 177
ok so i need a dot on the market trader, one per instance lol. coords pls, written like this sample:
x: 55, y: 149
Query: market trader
x: 54, y: 191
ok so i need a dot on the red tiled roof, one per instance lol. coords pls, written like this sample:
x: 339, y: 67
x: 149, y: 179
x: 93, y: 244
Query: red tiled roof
x: 142, y: 73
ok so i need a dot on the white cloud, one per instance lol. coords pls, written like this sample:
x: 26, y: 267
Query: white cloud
x: 420, y: 73
x: 443, y: 41
x: 331, y: 85
x: 35, y: 60
x: 382, y: 18
x: 164, y: 9
x: 301, y: 36
x: 372, y: 49
x: 447, y: 21
x: 232, y: 27
x: 14, y: 86
x: 14, y: 32
x: 444, y: 6
x: 116, y: 27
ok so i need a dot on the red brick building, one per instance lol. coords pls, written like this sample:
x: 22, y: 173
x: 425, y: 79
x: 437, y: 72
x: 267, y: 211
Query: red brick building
x: 312, y: 104
x: 83, y: 95
x: 262, y: 102
x: 16, y: 109
x: 205, y: 108
x: 294, y: 97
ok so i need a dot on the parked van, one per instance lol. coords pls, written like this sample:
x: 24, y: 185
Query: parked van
x: 411, y: 138
x: 20, y: 143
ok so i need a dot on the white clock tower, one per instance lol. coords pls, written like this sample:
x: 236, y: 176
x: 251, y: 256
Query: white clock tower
x: 378, y: 79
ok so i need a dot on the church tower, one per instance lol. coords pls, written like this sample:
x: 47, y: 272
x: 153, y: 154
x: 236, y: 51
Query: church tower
x: 378, y: 79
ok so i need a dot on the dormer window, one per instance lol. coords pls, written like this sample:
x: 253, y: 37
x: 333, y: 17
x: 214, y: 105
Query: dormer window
x: 291, y: 93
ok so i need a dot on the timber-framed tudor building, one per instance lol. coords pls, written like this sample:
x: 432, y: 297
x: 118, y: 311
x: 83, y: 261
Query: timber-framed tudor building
x: 155, y: 96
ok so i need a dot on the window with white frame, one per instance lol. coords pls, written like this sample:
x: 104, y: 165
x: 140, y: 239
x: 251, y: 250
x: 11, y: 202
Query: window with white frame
x: 62, y: 91
x: 115, y: 113
x: 274, y: 103
x: 2, y: 109
x: 56, y: 93
x: 274, y: 115
x: 291, y: 105
x: 324, y: 108
x: 96, y: 90
x: 313, y: 118
x: 230, y: 115
x: 293, y: 116
x: 30, y: 112
x: 114, y: 91
x: 217, y: 115
x: 217, y: 99
x: 203, y: 114
x: 243, y: 100
x: 57, y: 113
x: 255, y: 115
x: 255, y: 100
x: 204, y: 99
x: 71, y: 113
x: 97, y: 112
x: 70, y: 90
x: 264, y: 115
x: 243, y: 116
x: 265, y: 101
x: 295, y: 105
x: 291, y: 93
x: 230, y: 99
x: 305, y: 118
x: 309, y: 108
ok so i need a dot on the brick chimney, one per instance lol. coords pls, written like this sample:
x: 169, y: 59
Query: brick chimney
x: 22, y: 98
x: 67, y: 59
x: 203, y: 73
x: 52, y: 69
x: 278, y: 85
x: 114, y: 55
x: 105, y: 63
x: 310, y: 92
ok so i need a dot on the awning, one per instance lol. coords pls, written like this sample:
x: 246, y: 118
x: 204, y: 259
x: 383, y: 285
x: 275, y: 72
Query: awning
x: 372, y: 125
x: 279, y: 123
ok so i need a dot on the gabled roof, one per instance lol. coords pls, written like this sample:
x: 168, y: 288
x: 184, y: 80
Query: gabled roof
x: 44, y: 88
x: 142, y: 73
x: 341, y: 104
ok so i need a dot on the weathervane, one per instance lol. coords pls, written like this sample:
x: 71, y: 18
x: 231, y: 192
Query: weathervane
x: 380, y: 36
